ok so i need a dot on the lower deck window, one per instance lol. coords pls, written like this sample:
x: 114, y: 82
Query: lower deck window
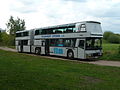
x: 23, y: 42
x: 63, y: 42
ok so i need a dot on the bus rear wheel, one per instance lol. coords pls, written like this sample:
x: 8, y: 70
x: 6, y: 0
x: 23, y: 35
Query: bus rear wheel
x: 70, y: 55
x: 37, y: 51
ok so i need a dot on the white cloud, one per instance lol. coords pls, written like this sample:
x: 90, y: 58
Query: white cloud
x: 38, y: 13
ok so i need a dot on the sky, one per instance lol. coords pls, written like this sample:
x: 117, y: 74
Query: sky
x: 42, y: 13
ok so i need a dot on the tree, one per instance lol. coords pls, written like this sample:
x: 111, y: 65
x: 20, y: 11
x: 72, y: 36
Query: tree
x: 0, y: 37
x: 111, y: 37
x: 107, y: 34
x: 14, y: 25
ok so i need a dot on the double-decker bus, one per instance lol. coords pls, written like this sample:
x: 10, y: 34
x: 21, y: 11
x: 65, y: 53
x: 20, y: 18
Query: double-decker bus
x: 75, y: 40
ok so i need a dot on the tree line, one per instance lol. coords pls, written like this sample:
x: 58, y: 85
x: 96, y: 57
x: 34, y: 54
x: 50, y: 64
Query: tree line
x: 111, y: 37
x: 12, y: 25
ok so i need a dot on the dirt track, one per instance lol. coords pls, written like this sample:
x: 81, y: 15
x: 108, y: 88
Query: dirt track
x: 98, y: 62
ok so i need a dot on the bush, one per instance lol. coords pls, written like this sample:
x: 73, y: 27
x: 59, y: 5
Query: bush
x: 119, y: 50
x: 0, y: 37
x: 6, y: 40
x: 111, y: 37
x: 107, y: 34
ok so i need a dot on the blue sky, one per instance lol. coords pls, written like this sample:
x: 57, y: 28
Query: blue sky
x: 41, y: 13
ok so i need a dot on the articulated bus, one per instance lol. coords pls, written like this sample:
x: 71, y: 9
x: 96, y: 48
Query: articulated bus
x: 81, y: 40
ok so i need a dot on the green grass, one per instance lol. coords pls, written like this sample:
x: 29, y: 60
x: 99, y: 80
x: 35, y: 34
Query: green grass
x: 24, y: 72
x: 111, y: 52
x: 13, y: 47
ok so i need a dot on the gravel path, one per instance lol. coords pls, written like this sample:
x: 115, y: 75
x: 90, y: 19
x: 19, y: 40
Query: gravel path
x: 98, y: 62
x: 8, y: 49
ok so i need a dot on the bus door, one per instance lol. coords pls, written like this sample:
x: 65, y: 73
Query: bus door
x: 81, y: 48
x: 47, y: 46
x: 21, y: 46
x: 26, y: 45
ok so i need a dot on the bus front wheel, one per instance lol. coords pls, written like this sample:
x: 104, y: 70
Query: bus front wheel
x: 37, y: 51
x: 70, y: 55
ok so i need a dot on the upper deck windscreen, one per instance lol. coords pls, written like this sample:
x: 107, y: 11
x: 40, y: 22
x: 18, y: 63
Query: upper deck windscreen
x: 94, y: 28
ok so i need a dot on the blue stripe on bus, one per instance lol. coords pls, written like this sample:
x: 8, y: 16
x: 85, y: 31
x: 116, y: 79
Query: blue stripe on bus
x: 58, y: 51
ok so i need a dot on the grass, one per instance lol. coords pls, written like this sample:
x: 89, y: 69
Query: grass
x: 111, y: 52
x: 23, y: 72
x: 13, y: 47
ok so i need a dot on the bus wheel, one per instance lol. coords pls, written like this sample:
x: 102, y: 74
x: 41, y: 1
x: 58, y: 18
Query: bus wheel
x: 37, y: 51
x: 70, y: 55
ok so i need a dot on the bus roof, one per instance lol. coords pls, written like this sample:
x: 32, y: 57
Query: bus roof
x: 60, y: 26
x: 67, y: 25
x: 23, y: 31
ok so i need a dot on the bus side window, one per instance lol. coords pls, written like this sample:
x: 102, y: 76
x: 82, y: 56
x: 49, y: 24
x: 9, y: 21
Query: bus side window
x: 19, y: 42
x: 81, y: 44
x: 25, y: 42
x: 83, y: 27
x: 52, y: 42
x: 74, y: 29
x: 60, y: 42
x: 37, y: 32
x: 43, y: 43
x: 69, y: 30
x: 43, y: 31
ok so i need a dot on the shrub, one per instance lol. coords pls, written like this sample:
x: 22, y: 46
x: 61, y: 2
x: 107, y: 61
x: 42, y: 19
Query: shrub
x: 119, y: 49
x: 7, y: 40
x: 113, y: 38
x: 107, y: 34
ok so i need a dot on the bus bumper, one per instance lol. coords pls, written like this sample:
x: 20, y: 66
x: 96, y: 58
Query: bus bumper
x: 93, y: 54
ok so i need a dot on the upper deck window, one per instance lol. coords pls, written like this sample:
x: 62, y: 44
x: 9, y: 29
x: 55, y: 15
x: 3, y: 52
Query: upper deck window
x: 25, y: 33
x: 57, y: 30
x: 18, y: 34
x: 21, y: 34
x: 83, y: 27
x: 37, y: 32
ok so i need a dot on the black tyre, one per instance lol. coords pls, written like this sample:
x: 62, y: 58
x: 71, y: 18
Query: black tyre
x: 37, y: 51
x: 70, y: 55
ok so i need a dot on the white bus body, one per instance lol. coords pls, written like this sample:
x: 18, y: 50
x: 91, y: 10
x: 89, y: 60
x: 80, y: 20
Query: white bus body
x: 24, y: 42
x: 76, y: 40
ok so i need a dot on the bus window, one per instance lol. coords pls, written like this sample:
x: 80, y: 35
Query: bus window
x: 43, y: 31
x: 25, y: 42
x: 43, y: 43
x: 74, y: 29
x: 59, y: 30
x: 69, y: 42
x: 81, y: 44
x: 19, y: 42
x: 25, y: 33
x: 37, y: 32
x: 52, y: 42
x: 93, y: 43
x: 69, y: 30
x: 18, y: 34
x: 82, y: 27
x: 50, y: 31
x: 60, y: 42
